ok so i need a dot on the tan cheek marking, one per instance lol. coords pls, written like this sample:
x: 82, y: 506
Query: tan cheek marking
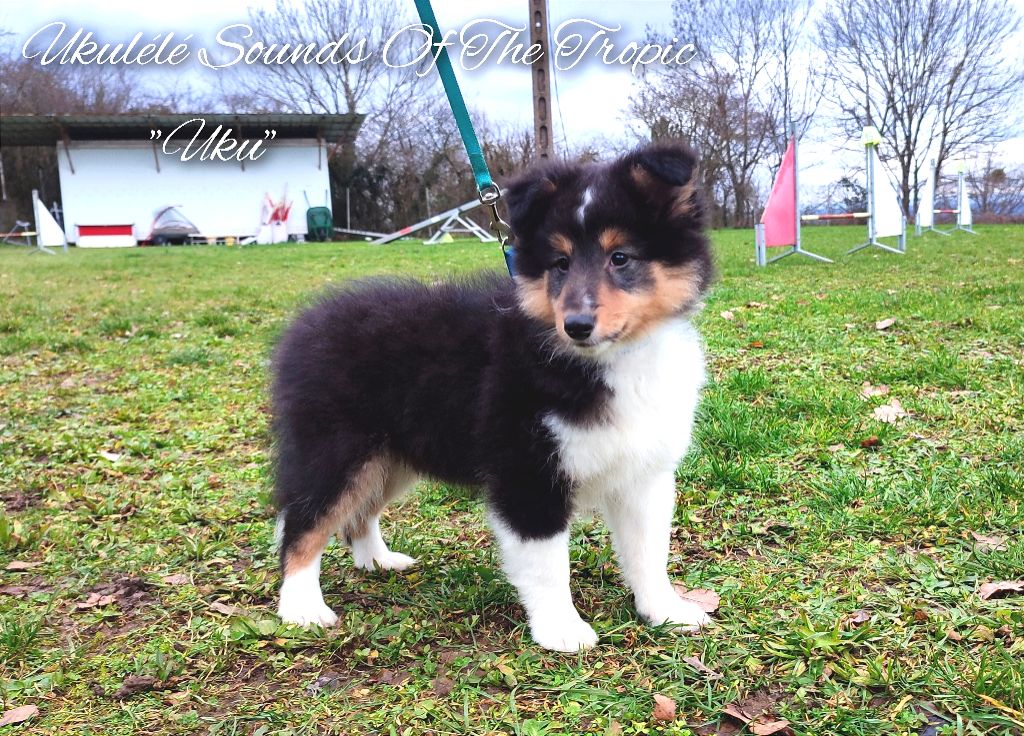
x: 611, y: 239
x: 561, y: 243
x: 631, y: 314
x: 676, y: 287
x: 533, y: 298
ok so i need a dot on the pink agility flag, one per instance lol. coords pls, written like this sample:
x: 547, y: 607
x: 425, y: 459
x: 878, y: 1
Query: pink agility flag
x: 779, y: 216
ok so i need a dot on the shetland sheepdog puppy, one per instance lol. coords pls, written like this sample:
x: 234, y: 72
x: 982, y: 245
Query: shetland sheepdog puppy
x: 570, y: 389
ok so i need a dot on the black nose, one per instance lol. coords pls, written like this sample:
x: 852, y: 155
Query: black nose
x: 579, y: 326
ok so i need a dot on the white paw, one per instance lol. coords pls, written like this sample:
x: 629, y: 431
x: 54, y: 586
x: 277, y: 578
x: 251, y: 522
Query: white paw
x: 306, y: 613
x: 685, y: 616
x: 385, y: 561
x: 563, y: 633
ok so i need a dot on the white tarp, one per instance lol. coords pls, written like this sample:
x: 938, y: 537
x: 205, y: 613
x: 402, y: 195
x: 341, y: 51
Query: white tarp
x: 963, y: 217
x: 926, y: 202
x: 885, y: 206
x: 48, y: 231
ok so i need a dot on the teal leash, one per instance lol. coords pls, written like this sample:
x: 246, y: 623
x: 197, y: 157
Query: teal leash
x: 487, y: 190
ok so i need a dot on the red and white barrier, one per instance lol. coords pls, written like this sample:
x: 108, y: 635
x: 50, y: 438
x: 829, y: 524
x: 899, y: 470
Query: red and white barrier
x: 925, y: 219
x: 780, y: 222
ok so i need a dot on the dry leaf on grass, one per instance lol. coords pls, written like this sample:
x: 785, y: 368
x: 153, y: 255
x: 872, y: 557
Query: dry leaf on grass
x: 136, y: 684
x: 19, y: 565
x: 885, y: 324
x: 1000, y: 589
x: 443, y: 686
x: 95, y: 600
x: 766, y: 728
x: 755, y: 712
x: 178, y: 578
x: 858, y: 617
x: 727, y: 314
x: 870, y: 442
x: 867, y: 390
x: 326, y: 682
x: 18, y: 715
x: 664, y: 708
x: 890, y: 413
x: 227, y: 609
x: 708, y: 673
x: 985, y: 542
x: 708, y: 600
x: 111, y: 456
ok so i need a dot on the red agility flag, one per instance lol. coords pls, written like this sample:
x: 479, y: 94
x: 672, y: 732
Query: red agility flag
x: 779, y: 216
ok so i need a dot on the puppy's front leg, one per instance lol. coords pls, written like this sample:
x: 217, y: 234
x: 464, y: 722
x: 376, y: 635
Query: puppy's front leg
x: 539, y: 569
x: 641, y: 525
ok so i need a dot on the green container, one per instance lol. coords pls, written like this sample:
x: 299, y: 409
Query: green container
x: 319, y: 224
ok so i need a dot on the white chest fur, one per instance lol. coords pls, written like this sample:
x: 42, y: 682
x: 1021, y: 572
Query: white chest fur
x: 655, y: 387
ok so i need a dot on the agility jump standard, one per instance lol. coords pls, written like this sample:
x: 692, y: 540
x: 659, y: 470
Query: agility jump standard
x: 926, y: 211
x: 780, y: 222
x: 454, y: 222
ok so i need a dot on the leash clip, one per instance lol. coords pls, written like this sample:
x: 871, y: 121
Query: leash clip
x: 489, y: 196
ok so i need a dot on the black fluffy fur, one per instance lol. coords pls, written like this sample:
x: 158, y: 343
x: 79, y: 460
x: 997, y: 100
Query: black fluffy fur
x: 455, y: 379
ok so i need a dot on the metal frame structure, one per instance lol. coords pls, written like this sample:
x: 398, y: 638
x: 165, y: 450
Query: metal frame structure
x: 452, y: 222
x: 961, y: 193
x: 761, y: 249
x: 873, y: 241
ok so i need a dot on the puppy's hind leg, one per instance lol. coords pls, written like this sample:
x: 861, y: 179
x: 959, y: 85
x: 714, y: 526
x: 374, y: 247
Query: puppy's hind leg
x: 302, y: 601
x: 314, y: 506
x: 369, y: 550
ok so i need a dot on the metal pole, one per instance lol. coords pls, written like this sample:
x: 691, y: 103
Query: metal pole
x: 541, y: 69
x: 796, y: 182
x: 870, y: 171
x: 426, y: 194
x: 348, y: 207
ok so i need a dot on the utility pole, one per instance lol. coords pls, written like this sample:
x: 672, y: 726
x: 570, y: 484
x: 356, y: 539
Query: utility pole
x: 541, y: 69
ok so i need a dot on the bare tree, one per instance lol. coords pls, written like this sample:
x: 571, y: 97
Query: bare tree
x: 933, y: 75
x: 735, y: 101
x: 998, y: 192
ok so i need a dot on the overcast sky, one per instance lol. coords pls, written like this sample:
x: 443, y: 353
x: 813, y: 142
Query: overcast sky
x: 591, y: 99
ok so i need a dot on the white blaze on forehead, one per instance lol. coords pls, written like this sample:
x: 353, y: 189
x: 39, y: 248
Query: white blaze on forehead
x: 588, y: 195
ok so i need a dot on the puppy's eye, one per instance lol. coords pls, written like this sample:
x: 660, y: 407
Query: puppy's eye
x: 562, y: 264
x: 619, y: 258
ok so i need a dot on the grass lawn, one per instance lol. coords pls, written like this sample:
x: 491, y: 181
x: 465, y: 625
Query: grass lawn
x: 135, y: 530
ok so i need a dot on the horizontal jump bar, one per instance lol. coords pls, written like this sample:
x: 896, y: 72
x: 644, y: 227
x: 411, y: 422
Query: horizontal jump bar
x: 842, y: 216
x: 946, y: 212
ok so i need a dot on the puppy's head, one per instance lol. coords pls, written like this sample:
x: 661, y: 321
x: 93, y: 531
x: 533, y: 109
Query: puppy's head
x: 605, y: 253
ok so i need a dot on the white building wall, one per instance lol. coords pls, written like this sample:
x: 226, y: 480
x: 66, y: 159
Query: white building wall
x: 117, y: 182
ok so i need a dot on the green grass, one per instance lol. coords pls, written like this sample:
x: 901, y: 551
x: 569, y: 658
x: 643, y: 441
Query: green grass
x: 134, y: 446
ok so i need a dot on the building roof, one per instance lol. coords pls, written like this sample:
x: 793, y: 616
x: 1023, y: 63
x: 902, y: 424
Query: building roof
x: 46, y: 130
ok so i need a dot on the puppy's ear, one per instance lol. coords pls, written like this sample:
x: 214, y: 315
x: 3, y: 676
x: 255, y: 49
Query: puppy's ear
x: 530, y: 196
x: 664, y: 176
